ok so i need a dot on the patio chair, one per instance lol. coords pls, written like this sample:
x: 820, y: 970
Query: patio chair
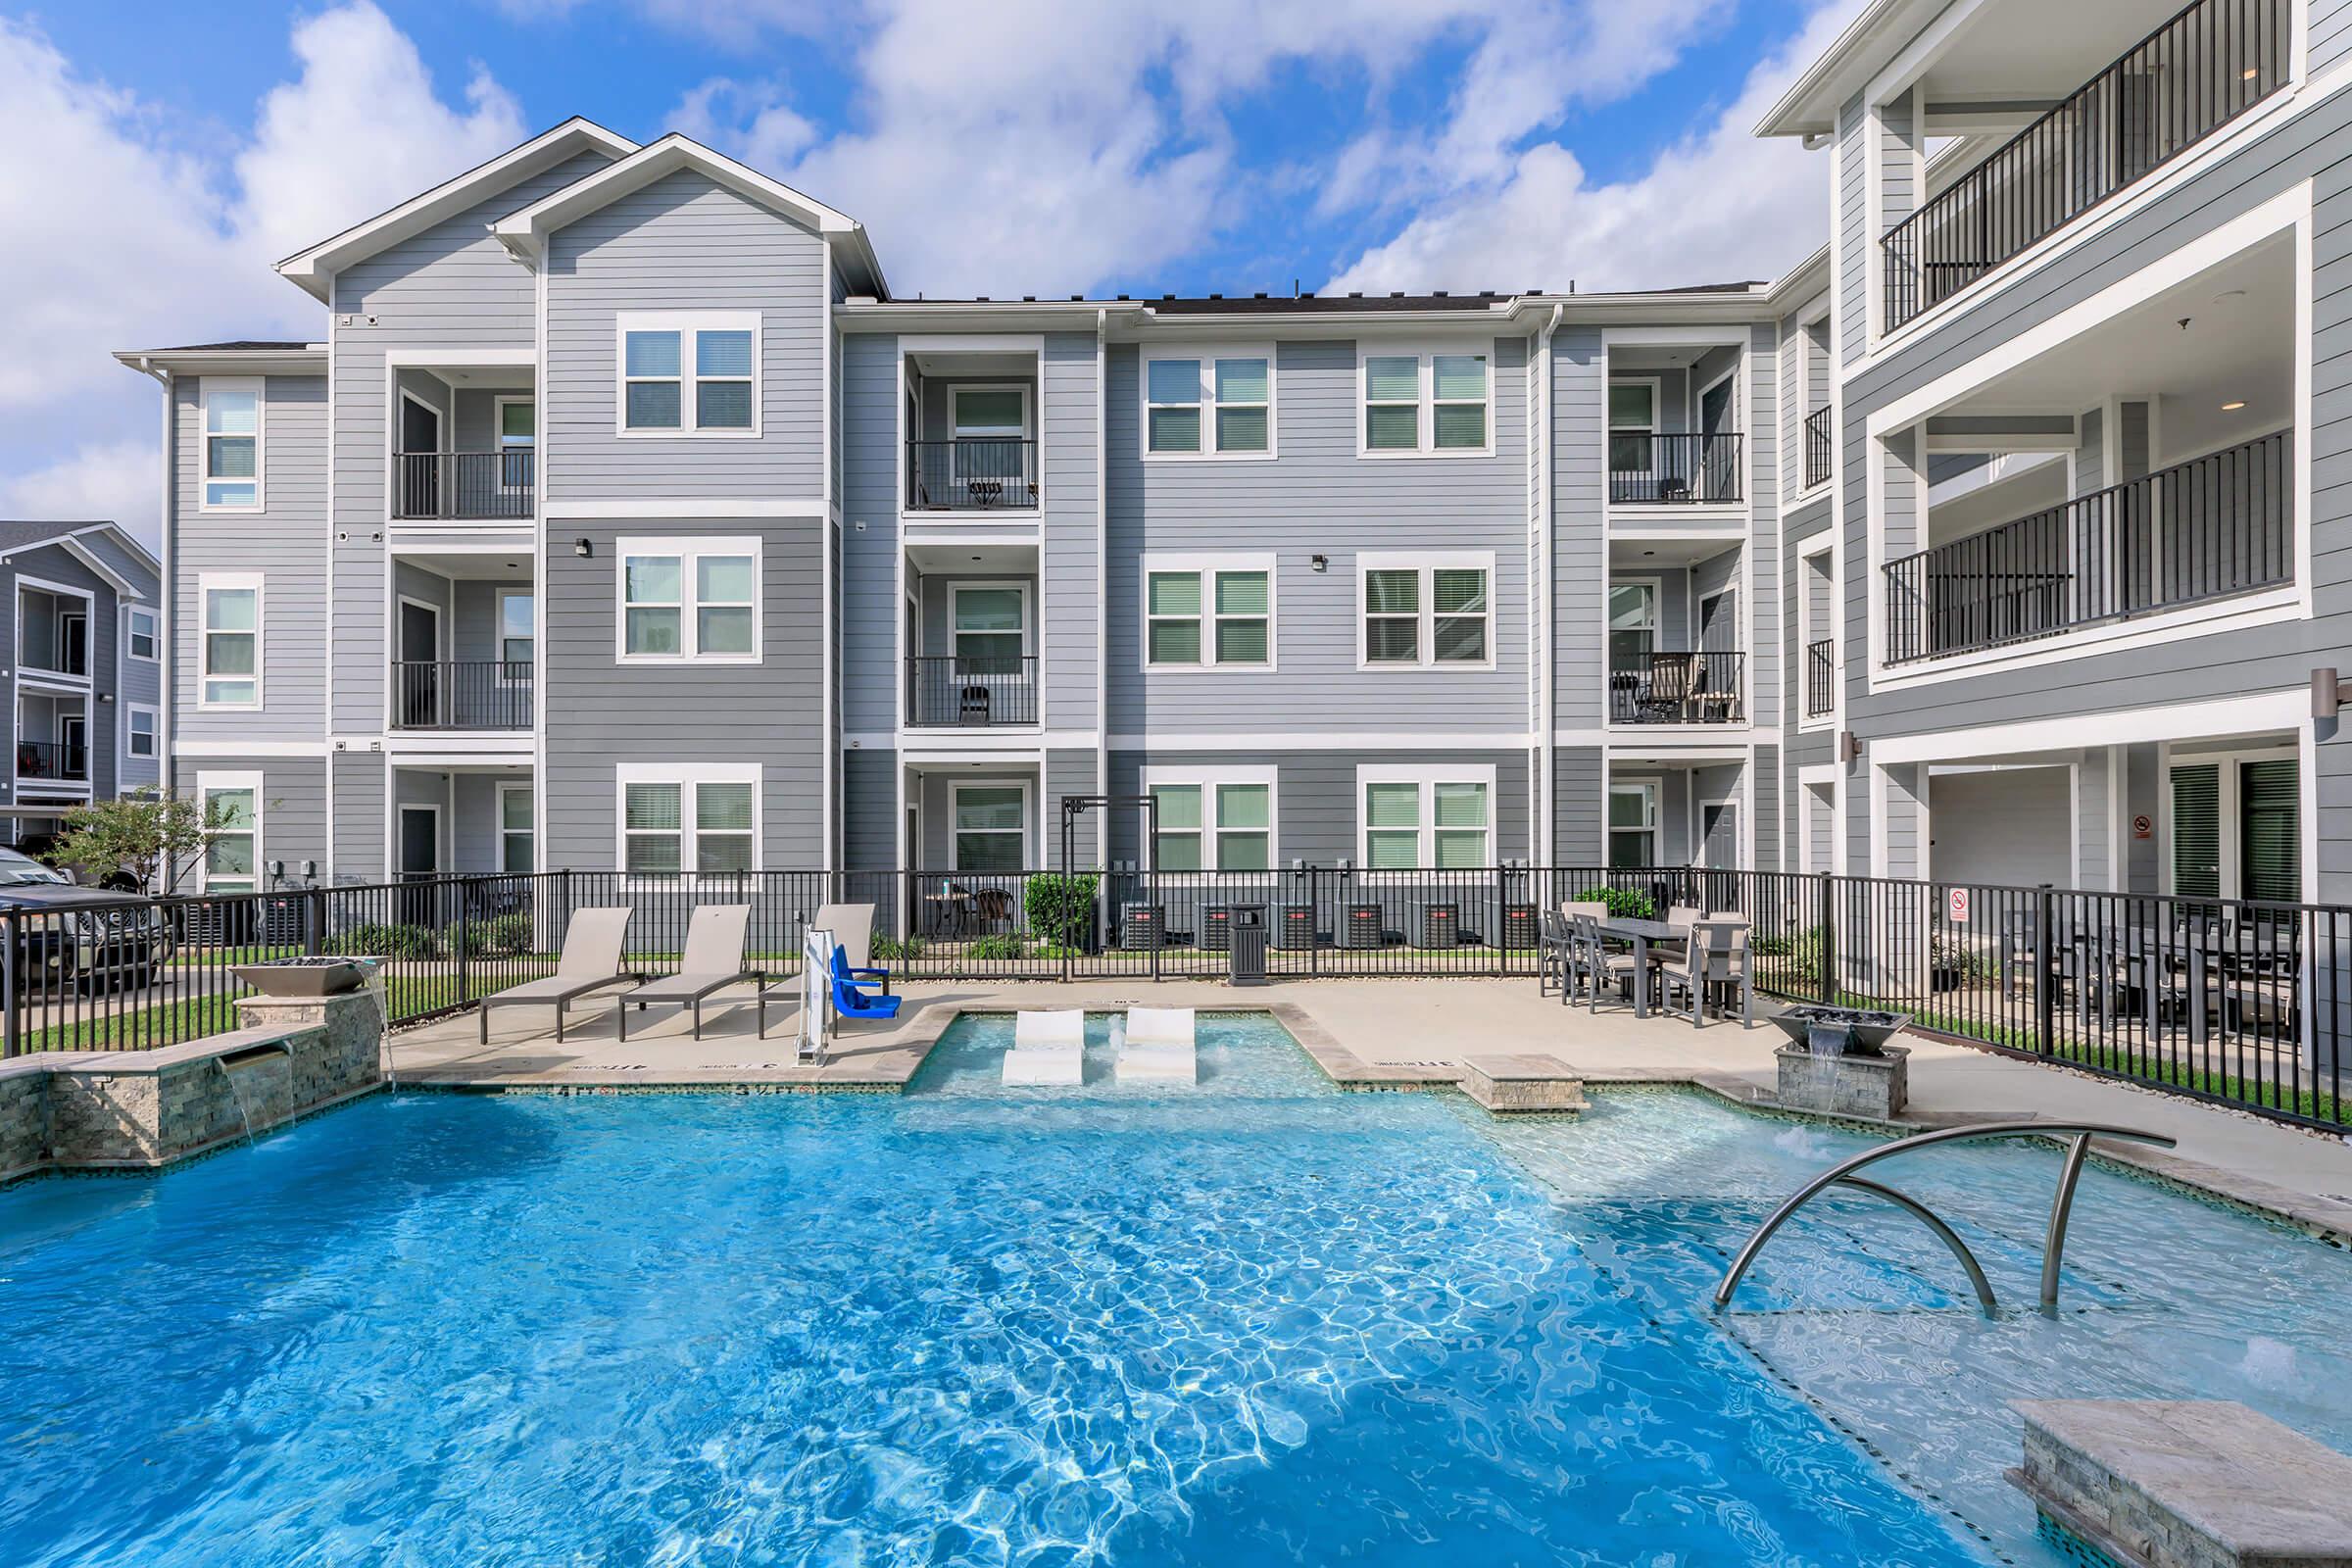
x: 1600, y: 964
x: 1719, y: 960
x: 712, y: 961
x: 991, y: 906
x: 589, y: 962
x: 1668, y: 699
x: 1554, y: 942
x: 1688, y: 973
x: 851, y: 1003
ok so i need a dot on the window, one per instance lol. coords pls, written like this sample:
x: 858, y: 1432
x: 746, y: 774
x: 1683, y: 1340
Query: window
x: 1215, y: 820
x: 231, y: 651
x: 1423, y: 612
x: 991, y: 827
x: 1419, y: 818
x: 515, y: 840
x: 1236, y: 389
x: 1633, y: 826
x: 142, y: 633
x: 689, y: 820
x: 231, y: 804
x: 1427, y: 403
x: 690, y: 599
x: 686, y: 373
x: 141, y: 735
x: 517, y: 620
x: 990, y: 626
x: 1633, y: 625
x: 982, y: 412
x: 1209, y: 612
x: 2270, y: 843
x: 518, y: 424
x: 232, y: 444
x: 1633, y: 420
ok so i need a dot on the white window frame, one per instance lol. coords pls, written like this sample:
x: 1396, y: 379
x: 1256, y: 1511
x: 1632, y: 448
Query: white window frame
x: 1611, y: 430
x: 498, y: 631
x: 498, y: 420
x: 1428, y: 775
x: 957, y: 429
x: 132, y: 711
x: 1206, y: 355
x: 689, y: 549
x: 207, y: 786
x: 130, y: 634
x: 514, y: 786
x: 1427, y: 354
x: 1428, y: 564
x: 686, y: 323
x: 206, y: 582
x: 258, y: 386
x: 1205, y: 567
x: 1653, y: 791
x: 1656, y: 584
x: 1210, y: 780
x: 686, y: 775
x: 1019, y: 585
x: 1028, y: 819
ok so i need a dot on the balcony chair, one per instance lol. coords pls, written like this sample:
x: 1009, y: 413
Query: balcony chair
x: 1667, y: 698
x: 972, y: 705
x: 712, y: 961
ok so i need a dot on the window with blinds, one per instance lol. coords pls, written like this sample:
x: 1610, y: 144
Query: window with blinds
x: 2269, y: 826
x: 2198, y: 831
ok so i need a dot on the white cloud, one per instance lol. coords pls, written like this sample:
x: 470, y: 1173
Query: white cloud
x: 747, y: 120
x: 104, y: 482
x: 1719, y: 206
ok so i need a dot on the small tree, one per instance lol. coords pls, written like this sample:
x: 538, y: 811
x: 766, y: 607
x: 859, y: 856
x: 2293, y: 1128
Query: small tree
x: 148, y: 837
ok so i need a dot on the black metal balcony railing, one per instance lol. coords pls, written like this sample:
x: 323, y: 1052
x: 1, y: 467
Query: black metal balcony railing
x: 1679, y: 689
x: 2189, y: 78
x: 1673, y: 469
x: 966, y: 692
x: 464, y: 486
x: 1817, y: 447
x: 2213, y: 526
x: 52, y: 759
x: 971, y: 473
x: 462, y: 693
x: 1821, y: 677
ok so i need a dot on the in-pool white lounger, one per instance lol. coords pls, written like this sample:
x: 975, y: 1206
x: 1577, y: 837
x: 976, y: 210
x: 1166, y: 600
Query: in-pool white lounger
x: 1158, y: 1047
x: 1048, y: 1048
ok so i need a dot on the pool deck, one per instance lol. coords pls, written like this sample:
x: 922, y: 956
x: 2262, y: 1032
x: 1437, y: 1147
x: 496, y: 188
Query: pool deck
x: 1382, y: 1034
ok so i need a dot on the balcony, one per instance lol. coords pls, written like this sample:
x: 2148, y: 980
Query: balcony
x: 464, y: 486
x: 1679, y: 689
x: 56, y: 761
x: 969, y: 692
x: 53, y: 633
x: 1674, y: 470
x: 2203, y: 69
x: 972, y: 473
x: 481, y: 694
x: 1817, y: 446
x: 2209, y: 528
x: 1821, y: 677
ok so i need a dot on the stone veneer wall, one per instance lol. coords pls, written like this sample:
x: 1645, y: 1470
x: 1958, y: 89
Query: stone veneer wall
x: 24, y: 1121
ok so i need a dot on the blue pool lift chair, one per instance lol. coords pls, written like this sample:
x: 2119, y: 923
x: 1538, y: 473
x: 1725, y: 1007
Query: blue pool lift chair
x: 851, y: 1002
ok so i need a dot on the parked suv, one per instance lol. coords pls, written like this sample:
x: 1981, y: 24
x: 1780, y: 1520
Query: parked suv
x: 75, y: 936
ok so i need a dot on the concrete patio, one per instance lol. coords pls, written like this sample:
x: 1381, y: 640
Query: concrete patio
x: 1382, y: 1034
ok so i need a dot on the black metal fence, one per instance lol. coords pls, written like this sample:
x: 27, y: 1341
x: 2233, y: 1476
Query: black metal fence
x: 2208, y: 529
x: 1680, y: 689
x: 2201, y: 69
x: 971, y: 473
x: 462, y: 693
x: 971, y: 691
x: 1817, y: 447
x: 1674, y: 469
x: 464, y: 486
x: 2243, y: 1002
x: 1820, y: 676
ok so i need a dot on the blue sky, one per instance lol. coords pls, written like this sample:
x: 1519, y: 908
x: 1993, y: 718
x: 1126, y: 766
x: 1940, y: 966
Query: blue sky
x: 1056, y: 146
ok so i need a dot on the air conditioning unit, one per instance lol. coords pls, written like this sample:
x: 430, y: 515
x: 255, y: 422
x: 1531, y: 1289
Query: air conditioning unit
x: 1143, y: 927
x: 1360, y: 926
x: 1519, y: 927
x: 1294, y: 927
x: 1441, y: 925
x: 1216, y: 927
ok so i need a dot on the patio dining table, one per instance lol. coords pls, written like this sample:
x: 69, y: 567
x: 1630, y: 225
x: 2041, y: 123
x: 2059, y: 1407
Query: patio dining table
x: 1642, y: 933
x: 2148, y: 956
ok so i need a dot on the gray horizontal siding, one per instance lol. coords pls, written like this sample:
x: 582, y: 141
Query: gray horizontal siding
x: 1315, y: 798
x: 869, y: 591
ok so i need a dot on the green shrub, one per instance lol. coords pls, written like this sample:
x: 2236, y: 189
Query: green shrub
x: 384, y: 942
x: 500, y: 937
x: 1060, y: 906
x: 886, y: 948
x: 998, y: 946
x: 1626, y: 904
x: 1792, y: 958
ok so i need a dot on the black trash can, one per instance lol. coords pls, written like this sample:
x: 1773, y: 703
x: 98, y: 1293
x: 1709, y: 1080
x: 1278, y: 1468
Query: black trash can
x: 1245, y: 952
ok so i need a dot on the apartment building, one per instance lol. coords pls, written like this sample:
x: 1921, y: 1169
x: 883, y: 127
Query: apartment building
x: 2064, y: 598
x: 82, y: 603
x: 626, y: 518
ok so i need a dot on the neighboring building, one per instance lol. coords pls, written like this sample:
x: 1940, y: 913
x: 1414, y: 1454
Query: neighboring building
x: 624, y: 518
x: 84, y: 629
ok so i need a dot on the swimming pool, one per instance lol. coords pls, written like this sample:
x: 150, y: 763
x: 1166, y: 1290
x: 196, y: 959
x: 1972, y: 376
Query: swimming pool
x: 1250, y: 1322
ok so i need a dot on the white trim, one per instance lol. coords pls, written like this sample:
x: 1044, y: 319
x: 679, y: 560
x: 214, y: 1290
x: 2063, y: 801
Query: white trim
x: 1208, y: 780
x: 1262, y: 742
x: 155, y: 711
x: 231, y: 582
x: 687, y: 776
x: 1027, y: 787
x: 503, y: 788
x: 1428, y: 564
x: 2230, y: 811
x: 956, y: 587
x: 2253, y: 712
x: 689, y: 326
x: 976, y: 343
x: 1205, y: 356
x: 1427, y: 776
x: 90, y: 606
x: 155, y: 635
x: 657, y: 507
x: 500, y: 593
x: 439, y: 658
x: 400, y: 838
x: 1426, y: 353
x: 470, y: 356
x: 955, y: 391
x: 208, y: 784
x: 206, y: 386
x: 1651, y: 787
x: 1204, y: 567
x: 688, y: 550
x: 238, y: 750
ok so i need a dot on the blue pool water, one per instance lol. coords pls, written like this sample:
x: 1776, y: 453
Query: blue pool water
x: 1255, y: 1321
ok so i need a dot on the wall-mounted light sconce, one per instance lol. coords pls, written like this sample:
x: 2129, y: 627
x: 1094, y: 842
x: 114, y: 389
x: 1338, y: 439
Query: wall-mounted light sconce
x: 2327, y: 694
x: 583, y: 547
x: 105, y: 699
x: 1319, y: 563
x: 1849, y: 746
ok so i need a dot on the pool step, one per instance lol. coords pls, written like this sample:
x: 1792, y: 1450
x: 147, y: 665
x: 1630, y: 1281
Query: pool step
x: 1521, y: 1083
x: 2177, y: 1483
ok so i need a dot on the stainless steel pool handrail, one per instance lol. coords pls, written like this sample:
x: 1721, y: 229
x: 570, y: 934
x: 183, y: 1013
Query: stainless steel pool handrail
x: 2062, y: 1203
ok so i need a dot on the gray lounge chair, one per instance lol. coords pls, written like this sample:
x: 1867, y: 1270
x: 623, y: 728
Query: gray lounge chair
x: 712, y: 961
x: 589, y: 962
x: 853, y: 928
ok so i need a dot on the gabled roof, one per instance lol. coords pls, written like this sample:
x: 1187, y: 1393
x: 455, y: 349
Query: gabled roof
x: 312, y: 268
x: 525, y: 233
x: 16, y: 535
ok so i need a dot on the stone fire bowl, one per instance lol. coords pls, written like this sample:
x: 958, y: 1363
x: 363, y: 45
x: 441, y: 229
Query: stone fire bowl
x: 305, y: 977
